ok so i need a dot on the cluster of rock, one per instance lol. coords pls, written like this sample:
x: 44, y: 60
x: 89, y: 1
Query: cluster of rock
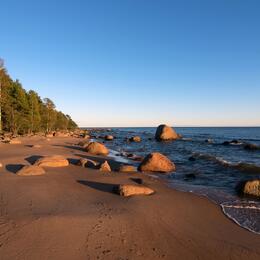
x: 153, y: 162
x: 38, y: 167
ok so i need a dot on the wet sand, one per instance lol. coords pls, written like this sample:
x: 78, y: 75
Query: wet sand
x: 72, y: 213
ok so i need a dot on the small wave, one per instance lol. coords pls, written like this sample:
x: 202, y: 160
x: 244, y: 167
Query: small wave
x: 245, y: 214
x: 241, y: 166
x: 247, y: 167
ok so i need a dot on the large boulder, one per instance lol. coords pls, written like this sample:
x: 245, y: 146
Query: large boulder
x: 97, y: 148
x: 31, y: 170
x: 165, y: 133
x: 156, y: 162
x: 52, y: 161
x: 127, y: 190
x: 252, y: 188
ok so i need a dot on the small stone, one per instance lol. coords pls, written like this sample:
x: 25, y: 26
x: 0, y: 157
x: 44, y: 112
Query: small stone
x: 135, y: 139
x: 127, y: 168
x: 127, y: 190
x: 105, y: 167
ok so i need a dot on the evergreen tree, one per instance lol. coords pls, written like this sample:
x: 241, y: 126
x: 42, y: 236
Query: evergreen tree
x: 34, y: 108
x: 25, y: 112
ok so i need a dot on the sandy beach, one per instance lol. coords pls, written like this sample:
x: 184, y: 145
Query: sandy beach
x: 72, y: 213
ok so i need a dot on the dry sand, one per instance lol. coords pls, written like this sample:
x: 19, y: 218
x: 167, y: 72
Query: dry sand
x: 72, y: 213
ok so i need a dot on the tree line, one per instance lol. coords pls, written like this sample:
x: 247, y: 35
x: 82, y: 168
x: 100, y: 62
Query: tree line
x: 25, y: 112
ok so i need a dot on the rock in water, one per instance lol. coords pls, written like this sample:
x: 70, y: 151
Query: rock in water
x: 127, y: 190
x: 52, y: 161
x: 164, y: 133
x: 156, y: 162
x: 31, y: 170
x: 251, y: 147
x: 109, y: 137
x: 105, y: 167
x: 252, y: 188
x: 136, y: 139
x: 127, y: 168
x: 97, y: 148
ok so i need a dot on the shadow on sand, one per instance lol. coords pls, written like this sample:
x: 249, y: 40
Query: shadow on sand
x: 14, y: 168
x: 32, y: 159
x: 100, y: 186
x: 73, y: 147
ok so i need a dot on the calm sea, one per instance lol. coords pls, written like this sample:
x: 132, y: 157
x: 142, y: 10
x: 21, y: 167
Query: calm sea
x: 204, y: 165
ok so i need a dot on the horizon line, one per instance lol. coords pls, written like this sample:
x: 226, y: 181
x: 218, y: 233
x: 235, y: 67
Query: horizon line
x: 171, y: 126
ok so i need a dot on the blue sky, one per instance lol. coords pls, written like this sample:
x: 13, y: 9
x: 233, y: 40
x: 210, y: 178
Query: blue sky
x: 138, y: 62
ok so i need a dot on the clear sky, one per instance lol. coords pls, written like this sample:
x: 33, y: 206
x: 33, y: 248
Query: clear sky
x: 138, y: 62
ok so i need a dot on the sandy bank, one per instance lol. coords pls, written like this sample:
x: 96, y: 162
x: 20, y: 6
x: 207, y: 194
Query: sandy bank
x: 72, y: 213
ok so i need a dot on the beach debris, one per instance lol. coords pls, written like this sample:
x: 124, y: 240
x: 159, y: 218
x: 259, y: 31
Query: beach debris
x: 156, y: 162
x: 83, y: 162
x: 31, y: 170
x: 15, y: 141
x: 165, y: 133
x: 252, y: 188
x: 97, y: 148
x: 109, y: 137
x: 105, y: 167
x: 52, y: 161
x: 127, y: 168
x: 127, y: 190
x: 136, y: 139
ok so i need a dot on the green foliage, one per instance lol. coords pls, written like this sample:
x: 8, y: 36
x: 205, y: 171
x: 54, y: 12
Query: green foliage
x: 25, y: 112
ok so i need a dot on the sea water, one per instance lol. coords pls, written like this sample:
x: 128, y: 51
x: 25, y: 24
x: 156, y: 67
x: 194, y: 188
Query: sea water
x: 205, y: 165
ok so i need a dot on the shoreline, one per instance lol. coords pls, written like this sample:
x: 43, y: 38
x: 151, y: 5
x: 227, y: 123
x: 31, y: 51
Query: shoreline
x: 72, y: 213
